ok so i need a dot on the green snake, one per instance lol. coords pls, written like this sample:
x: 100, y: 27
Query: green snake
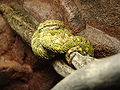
x: 51, y: 37
x: 48, y: 39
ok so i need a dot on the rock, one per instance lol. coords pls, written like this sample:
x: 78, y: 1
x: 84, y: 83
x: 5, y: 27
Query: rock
x: 18, y: 64
x: 101, y: 16
x: 104, y: 44
x: 63, y: 10
x: 11, y: 56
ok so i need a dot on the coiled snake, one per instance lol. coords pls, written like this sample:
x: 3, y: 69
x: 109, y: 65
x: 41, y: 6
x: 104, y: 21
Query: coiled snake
x: 49, y: 39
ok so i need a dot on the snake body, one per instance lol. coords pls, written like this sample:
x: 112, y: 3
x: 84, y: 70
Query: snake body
x: 51, y: 37
x: 47, y: 39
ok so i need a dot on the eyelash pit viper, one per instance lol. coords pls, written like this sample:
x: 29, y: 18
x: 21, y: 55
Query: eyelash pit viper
x: 48, y: 39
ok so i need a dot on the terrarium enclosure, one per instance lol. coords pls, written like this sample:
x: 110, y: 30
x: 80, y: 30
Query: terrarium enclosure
x: 96, y: 20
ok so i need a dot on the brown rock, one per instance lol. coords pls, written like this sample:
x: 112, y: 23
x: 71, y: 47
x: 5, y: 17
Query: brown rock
x: 11, y: 58
x: 104, y: 44
x: 18, y: 64
x: 64, y: 10
x: 102, y: 17
x: 102, y: 14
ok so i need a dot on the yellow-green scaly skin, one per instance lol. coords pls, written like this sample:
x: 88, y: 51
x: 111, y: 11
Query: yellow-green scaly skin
x: 51, y: 37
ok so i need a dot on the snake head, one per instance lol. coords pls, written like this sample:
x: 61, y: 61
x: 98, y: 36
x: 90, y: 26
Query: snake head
x: 50, y: 25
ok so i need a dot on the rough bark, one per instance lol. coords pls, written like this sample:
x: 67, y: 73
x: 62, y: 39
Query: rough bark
x: 100, y: 75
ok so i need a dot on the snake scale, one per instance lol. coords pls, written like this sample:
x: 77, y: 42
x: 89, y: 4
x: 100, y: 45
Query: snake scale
x: 47, y: 39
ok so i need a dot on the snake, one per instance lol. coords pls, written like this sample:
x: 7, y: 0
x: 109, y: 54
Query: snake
x: 47, y: 39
